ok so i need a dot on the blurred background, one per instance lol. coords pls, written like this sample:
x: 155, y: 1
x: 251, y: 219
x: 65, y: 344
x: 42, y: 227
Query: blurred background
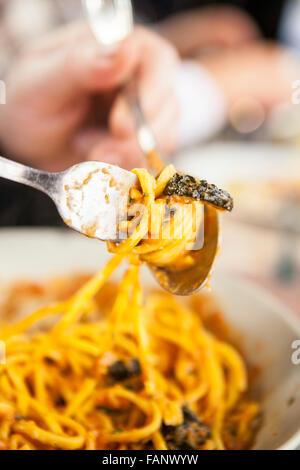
x: 240, y: 119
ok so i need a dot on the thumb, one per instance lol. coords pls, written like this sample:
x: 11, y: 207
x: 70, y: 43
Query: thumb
x: 94, y: 70
x: 61, y: 69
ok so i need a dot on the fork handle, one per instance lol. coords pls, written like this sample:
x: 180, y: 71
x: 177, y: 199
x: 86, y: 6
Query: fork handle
x: 144, y: 133
x: 41, y: 180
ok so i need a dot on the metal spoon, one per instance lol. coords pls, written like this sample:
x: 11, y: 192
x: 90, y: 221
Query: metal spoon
x: 91, y: 197
x: 111, y: 21
x: 100, y: 14
x: 190, y: 280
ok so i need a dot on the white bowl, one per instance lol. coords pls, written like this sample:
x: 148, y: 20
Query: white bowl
x: 265, y: 329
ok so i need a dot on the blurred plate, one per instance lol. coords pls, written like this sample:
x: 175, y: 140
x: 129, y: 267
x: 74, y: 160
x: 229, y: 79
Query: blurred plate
x: 224, y: 162
x: 264, y: 328
x: 264, y: 179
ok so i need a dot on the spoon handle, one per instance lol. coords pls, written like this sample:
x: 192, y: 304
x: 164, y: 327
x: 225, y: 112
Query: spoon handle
x: 41, y: 180
x: 145, y: 136
x: 105, y: 17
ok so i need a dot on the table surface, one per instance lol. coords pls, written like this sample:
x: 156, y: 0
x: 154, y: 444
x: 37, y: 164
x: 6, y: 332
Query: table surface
x: 254, y: 254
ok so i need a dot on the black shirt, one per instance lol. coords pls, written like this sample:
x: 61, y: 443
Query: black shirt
x: 265, y: 13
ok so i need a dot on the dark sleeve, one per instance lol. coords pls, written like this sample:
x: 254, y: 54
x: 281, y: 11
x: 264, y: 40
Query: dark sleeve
x: 24, y: 206
x: 266, y: 14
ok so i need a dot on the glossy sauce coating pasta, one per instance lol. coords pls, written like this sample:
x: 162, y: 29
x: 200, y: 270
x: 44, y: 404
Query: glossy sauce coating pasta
x: 73, y: 385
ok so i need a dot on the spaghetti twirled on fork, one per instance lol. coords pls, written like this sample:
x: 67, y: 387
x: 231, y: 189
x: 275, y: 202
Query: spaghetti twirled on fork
x: 130, y: 373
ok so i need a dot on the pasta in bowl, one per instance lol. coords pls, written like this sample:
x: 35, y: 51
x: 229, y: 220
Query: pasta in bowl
x: 144, y: 373
x: 114, y: 371
x: 122, y: 393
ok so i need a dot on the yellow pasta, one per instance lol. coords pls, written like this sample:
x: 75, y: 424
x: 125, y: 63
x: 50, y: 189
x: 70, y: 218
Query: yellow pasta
x: 134, y: 377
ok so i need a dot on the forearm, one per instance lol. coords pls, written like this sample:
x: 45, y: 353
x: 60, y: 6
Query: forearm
x: 187, y: 32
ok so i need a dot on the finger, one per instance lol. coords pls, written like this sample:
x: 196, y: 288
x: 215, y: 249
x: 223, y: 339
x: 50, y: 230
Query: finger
x: 121, y: 122
x: 154, y: 79
x: 92, y: 70
x: 86, y: 139
x: 165, y: 126
x: 124, y: 153
x: 61, y: 69
x: 156, y: 71
x: 91, y: 142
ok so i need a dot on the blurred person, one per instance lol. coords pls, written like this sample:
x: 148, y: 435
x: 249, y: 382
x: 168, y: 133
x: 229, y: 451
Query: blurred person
x: 241, y: 75
x: 231, y: 50
x: 217, y: 38
x: 52, y: 120
x: 267, y: 15
x: 64, y: 106
x: 208, y: 29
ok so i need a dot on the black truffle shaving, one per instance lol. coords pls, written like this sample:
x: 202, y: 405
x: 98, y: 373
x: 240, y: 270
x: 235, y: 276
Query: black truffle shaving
x: 120, y: 371
x: 190, y: 435
x: 188, y: 186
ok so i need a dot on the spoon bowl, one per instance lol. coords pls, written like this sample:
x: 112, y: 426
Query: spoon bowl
x: 92, y: 199
x: 189, y: 280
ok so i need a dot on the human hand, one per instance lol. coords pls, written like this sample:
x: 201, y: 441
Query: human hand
x: 261, y: 71
x: 212, y: 27
x: 64, y: 103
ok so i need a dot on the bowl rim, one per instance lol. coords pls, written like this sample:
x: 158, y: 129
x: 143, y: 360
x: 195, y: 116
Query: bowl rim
x: 278, y: 308
x: 282, y: 312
